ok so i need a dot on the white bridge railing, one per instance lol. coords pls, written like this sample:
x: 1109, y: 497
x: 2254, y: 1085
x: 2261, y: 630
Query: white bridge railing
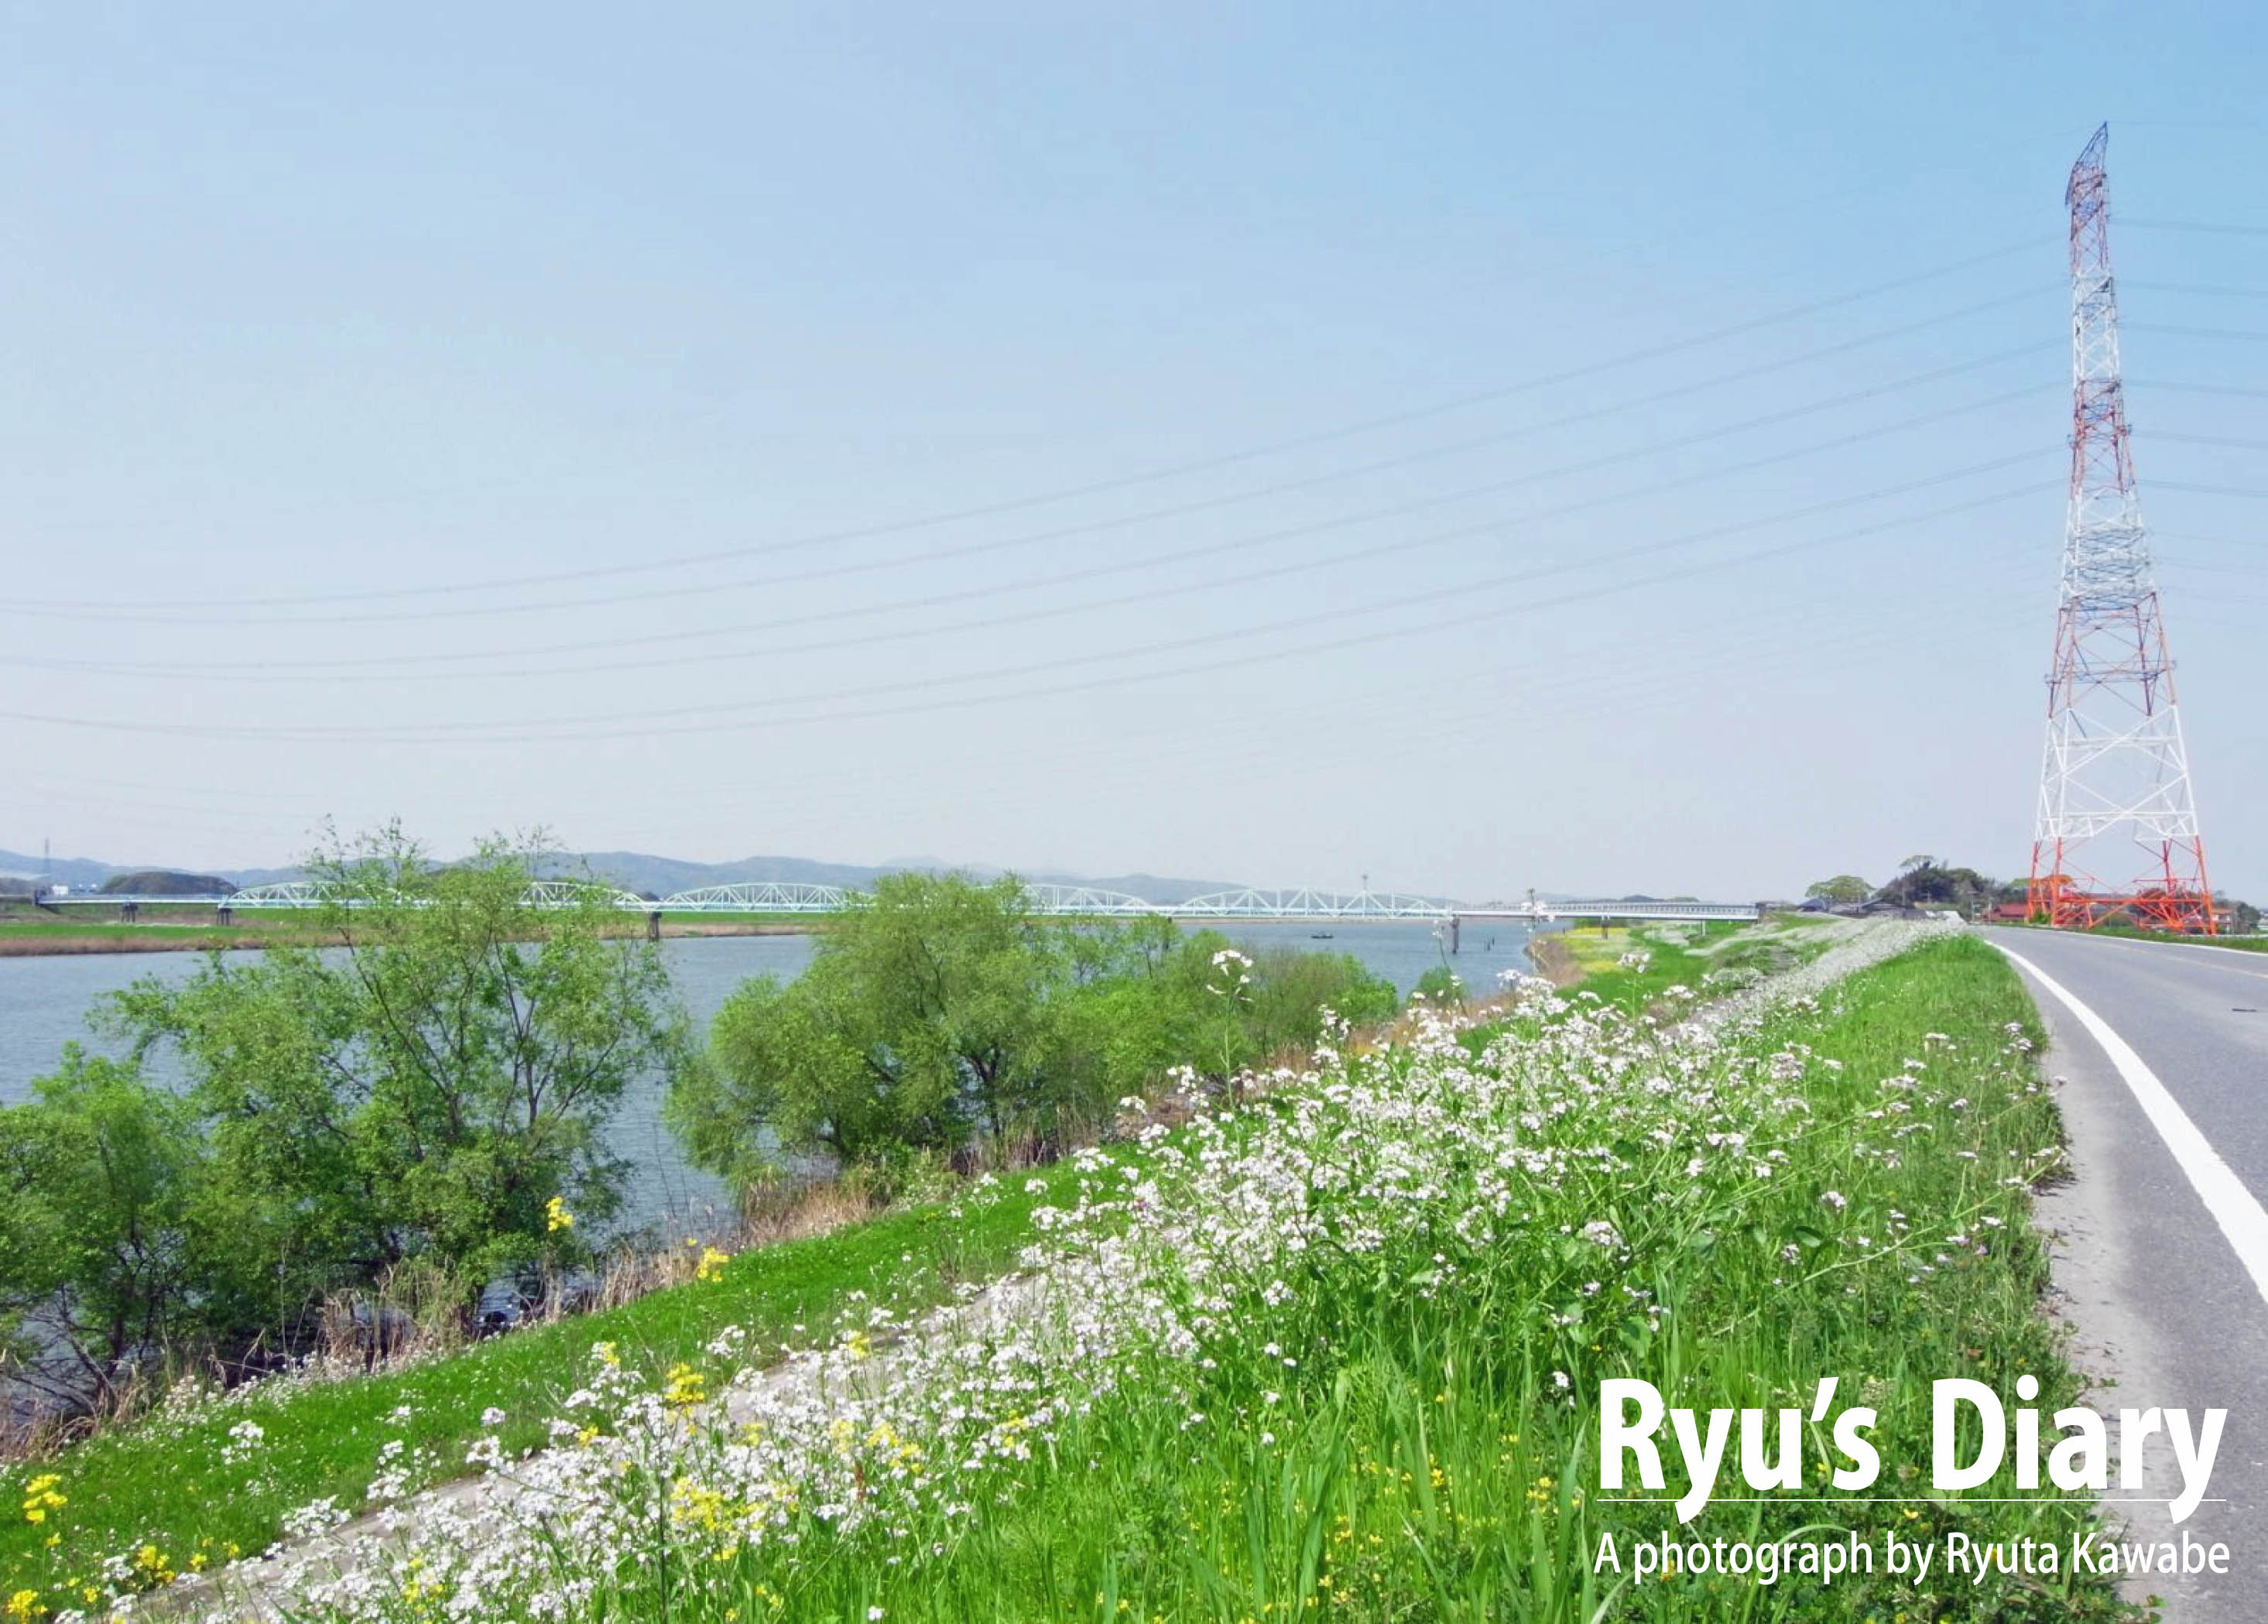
x: 1053, y: 901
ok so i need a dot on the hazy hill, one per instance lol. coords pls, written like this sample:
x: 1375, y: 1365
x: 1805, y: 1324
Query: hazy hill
x: 166, y: 883
x: 633, y: 871
x: 62, y: 871
x: 641, y: 872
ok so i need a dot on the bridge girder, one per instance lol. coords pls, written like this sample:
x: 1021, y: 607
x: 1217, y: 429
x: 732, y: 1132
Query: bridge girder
x: 1052, y: 900
x: 1311, y: 904
x: 754, y: 896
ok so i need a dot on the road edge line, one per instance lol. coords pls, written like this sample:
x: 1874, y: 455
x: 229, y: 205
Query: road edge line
x: 2243, y: 1222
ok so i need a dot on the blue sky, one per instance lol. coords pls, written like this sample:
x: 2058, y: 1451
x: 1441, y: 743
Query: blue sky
x: 1479, y: 448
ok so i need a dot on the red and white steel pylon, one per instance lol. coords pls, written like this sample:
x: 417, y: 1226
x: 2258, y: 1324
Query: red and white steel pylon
x: 2117, y: 826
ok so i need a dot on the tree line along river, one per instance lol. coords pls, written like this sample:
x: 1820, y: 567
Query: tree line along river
x: 45, y: 1002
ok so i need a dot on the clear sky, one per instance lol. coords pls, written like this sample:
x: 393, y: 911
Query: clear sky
x: 1478, y: 447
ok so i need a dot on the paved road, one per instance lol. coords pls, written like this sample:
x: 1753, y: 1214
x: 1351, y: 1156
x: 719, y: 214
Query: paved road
x: 2163, y: 1303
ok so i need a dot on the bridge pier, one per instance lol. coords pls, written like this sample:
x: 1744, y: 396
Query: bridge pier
x: 654, y: 925
x: 1455, y: 925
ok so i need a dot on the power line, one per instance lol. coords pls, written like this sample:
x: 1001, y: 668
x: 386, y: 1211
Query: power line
x: 2205, y: 439
x: 2203, y: 290
x: 2223, y: 335
x: 181, y: 614
x: 579, y: 727
x: 2198, y: 226
x: 1124, y: 482
x: 2191, y: 535
x: 391, y: 666
x: 1395, y: 704
x: 1486, y: 716
x: 2248, y: 491
x: 2227, y: 389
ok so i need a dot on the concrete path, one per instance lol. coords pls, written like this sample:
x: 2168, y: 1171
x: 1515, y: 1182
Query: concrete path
x: 2162, y: 1253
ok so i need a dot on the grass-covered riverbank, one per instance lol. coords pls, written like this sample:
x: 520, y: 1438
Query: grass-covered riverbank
x: 186, y: 1487
x: 1334, y: 1355
x: 1627, y: 961
x: 2243, y: 944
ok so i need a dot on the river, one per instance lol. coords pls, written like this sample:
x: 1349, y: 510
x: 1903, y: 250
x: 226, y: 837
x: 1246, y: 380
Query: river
x: 45, y: 1001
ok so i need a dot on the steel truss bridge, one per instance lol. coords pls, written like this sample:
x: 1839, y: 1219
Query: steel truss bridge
x: 1051, y: 901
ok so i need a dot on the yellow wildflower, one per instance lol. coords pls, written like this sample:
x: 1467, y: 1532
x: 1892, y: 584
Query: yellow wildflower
x: 40, y: 1498
x: 556, y: 1216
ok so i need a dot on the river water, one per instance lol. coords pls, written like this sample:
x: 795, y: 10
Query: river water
x: 45, y: 1001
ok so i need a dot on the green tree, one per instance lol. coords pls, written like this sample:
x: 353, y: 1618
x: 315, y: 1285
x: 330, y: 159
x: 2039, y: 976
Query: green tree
x: 1439, y: 987
x: 1280, y: 1006
x: 108, y: 1192
x: 1841, y: 888
x: 428, y: 1089
x: 921, y: 1022
x: 939, y: 1013
x: 1930, y: 883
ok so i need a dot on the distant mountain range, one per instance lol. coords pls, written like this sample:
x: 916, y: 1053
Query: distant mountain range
x: 635, y: 871
x: 640, y: 872
x: 20, y: 871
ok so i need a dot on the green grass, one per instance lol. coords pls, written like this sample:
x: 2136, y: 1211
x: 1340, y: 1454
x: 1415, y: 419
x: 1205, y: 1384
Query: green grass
x: 1426, y: 1465
x: 1680, y: 955
x: 93, y: 936
x: 1414, y: 1440
x: 161, y: 1481
x: 2246, y: 944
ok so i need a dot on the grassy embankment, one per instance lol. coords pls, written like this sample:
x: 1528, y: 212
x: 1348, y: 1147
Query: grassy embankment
x: 1408, y: 1432
x: 163, y: 1482
x: 1676, y: 953
x: 1423, y: 1457
x: 2244, y: 943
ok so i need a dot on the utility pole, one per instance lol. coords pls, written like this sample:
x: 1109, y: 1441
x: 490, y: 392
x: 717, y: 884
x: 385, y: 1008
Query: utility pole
x: 2115, y: 795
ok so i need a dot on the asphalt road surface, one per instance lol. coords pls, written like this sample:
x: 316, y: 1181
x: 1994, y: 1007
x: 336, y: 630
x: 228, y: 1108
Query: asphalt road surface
x: 2162, y: 1261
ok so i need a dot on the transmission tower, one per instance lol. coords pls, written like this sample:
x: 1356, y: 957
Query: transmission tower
x: 2118, y: 826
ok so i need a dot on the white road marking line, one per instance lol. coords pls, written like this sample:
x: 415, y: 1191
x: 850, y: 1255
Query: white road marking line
x: 2241, y: 1219
x: 2152, y: 947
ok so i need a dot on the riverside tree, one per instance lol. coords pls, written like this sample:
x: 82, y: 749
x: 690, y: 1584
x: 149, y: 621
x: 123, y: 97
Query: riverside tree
x: 922, y: 1021
x: 101, y: 1241
x: 940, y: 1014
x: 1840, y: 888
x: 424, y: 1090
